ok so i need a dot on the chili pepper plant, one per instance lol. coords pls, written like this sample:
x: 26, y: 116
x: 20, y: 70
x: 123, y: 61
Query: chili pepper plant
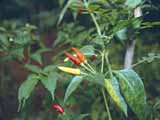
x: 92, y: 62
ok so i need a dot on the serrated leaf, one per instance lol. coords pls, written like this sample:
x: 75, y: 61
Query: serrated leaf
x: 26, y: 88
x: 132, y: 89
x: 50, y: 82
x: 113, y: 89
x: 75, y: 82
x: 133, y: 3
x: 33, y: 68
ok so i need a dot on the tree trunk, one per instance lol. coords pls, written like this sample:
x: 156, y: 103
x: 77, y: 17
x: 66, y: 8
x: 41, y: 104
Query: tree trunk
x: 131, y: 44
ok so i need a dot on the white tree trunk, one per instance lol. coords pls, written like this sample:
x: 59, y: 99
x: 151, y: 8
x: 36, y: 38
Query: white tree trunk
x: 131, y: 44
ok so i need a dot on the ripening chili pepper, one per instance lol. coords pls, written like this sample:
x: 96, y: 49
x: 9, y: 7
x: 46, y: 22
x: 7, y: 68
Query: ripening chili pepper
x: 79, y: 54
x: 74, y: 59
x: 94, y: 57
x: 70, y: 70
x: 58, y: 108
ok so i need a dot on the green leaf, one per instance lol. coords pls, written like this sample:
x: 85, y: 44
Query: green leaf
x: 122, y: 34
x: 98, y: 78
x: 132, y: 89
x: 33, y: 68
x: 75, y: 82
x: 88, y: 50
x: 121, y: 25
x: 50, y: 68
x: 37, y: 57
x: 50, y: 82
x: 64, y: 10
x: 113, y: 89
x: 133, y: 3
x: 18, y: 53
x: 26, y: 88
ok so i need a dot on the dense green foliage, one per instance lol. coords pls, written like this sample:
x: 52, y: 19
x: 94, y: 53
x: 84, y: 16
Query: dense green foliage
x: 34, y: 37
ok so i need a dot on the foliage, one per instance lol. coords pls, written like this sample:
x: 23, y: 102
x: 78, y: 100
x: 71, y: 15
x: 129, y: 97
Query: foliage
x: 108, y: 26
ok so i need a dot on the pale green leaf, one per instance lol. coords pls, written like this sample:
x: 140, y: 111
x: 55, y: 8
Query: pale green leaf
x: 88, y: 50
x: 75, y: 82
x: 133, y: 3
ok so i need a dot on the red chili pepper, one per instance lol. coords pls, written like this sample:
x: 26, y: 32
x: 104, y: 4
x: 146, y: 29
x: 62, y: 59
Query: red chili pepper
x: 74, y: 59
x: 58, y: 108
x: 94, y: 57
x: 79, y: 54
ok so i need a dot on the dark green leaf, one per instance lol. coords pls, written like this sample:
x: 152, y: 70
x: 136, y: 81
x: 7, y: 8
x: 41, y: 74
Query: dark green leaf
x: 33, y: 68
x: 37, y: 57
x: 75, y: 82
x: 26, y: 88
x: 132, y: 89
x: 113, y: 89
x: 49, y: 68
x: 50, y: 82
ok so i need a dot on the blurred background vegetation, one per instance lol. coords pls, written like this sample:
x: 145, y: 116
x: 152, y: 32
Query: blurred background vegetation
x: 35, y: 21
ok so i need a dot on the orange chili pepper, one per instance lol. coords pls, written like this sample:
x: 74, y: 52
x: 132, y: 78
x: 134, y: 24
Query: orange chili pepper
x: 79, y: 54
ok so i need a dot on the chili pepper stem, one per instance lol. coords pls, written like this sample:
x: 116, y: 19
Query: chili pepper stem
x: 83, y: 73
x: 84, y: 66
x: 86, y: 62
x: 106, y: 104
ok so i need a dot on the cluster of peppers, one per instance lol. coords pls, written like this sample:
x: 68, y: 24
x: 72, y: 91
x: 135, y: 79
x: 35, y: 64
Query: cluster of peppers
x: 79, y: 59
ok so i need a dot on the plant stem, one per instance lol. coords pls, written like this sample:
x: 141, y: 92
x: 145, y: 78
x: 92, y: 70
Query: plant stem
x: 134, y: 65
x: 102, y: 65
x: 106, y: 105
x: 103, y: 56
x: 108, y: 64
x: 103, y: 93
x: 94, y: 19
x: 96, y: 24
x: 87, y: 68
x: 90, y: 66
